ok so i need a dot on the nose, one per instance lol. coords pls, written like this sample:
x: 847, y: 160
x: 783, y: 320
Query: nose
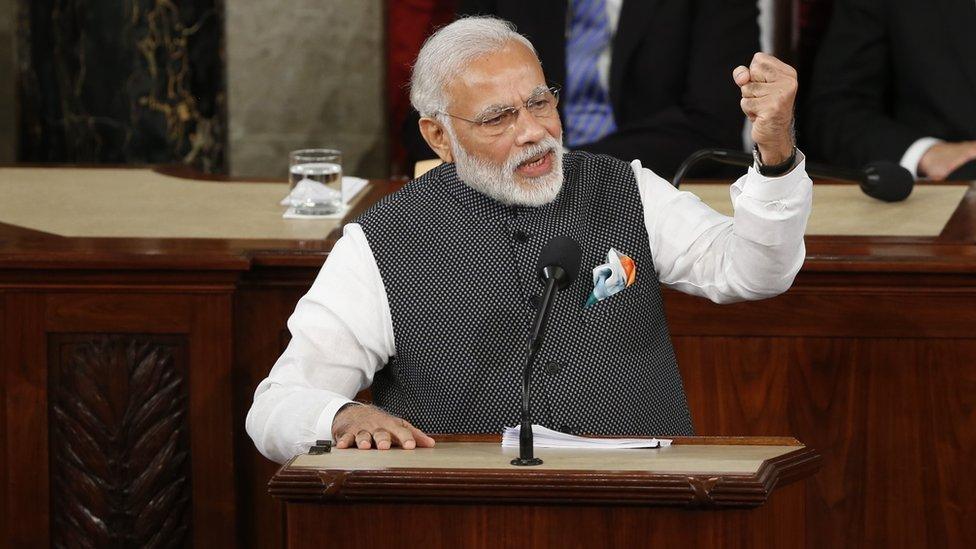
x: 528, y: 130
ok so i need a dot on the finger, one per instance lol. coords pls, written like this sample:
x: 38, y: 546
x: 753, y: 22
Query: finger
x: 346, y: 440
x: 364, y: 440
x: 760, y: 73
x: 763, y: 68
x: 382, y: 439
x: 955, y: 163
x: 750, y: 106
x: 756, y: 89
x: 404, y: 436
x: 421, y: 437
x: 778, y: 66
x: 741, y: 76
x: 771, y: 65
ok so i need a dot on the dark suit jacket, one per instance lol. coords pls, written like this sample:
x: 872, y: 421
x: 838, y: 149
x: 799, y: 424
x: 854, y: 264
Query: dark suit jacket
x: 888, y: 73
x: 671, y: 71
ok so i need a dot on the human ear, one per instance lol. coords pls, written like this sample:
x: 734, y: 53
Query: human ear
x: 435, y: 134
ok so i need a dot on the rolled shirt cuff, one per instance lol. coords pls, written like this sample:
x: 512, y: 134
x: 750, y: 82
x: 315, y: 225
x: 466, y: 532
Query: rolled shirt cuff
x: 770, y: 189
x: 323, y: 426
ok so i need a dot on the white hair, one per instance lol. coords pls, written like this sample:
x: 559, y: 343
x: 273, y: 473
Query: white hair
x: 445, y: 54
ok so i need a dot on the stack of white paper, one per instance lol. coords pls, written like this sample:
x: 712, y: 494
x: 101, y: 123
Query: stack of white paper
x: 547, y: 438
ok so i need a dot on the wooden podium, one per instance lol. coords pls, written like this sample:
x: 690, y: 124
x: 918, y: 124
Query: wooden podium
x: 701, y: 491
x: 870, y: 358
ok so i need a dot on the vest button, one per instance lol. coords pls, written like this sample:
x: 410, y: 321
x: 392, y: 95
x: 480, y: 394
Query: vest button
x: 568, y: 429
x: 553, y: 367
x: 535, y: 301
x: 520, y: 236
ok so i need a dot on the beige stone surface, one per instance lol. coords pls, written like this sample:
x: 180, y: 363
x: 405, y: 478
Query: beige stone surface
x: 845, y: 210
x: 8, y: 120
x: 301, y: 74
x: 728, y: 459
x: 144, y: 204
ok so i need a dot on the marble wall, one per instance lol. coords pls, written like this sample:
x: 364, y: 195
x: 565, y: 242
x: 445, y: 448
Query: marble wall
x: 122, y: 81
x: 8, y: 128
x: 305, y: 73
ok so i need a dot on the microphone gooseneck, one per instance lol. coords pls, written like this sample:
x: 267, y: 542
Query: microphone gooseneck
x: 558, y: 267
x: 883, y: 180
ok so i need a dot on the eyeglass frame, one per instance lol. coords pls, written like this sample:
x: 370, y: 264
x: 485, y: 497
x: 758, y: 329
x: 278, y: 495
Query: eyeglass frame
x: 511, y: 109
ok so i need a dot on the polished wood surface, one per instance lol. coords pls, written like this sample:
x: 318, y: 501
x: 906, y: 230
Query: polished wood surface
x: 711, y: 473
x: 512, y: 506
x: 869, y: 358
x: 778, y: 524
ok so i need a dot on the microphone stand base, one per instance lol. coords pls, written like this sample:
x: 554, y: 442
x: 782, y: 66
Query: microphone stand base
x: 526, y: 461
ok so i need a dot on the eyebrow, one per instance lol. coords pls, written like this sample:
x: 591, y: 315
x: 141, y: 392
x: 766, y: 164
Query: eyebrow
x: 498, y: 107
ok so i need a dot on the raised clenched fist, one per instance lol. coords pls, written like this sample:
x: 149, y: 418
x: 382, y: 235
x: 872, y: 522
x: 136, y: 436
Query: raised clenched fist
x: 768, y: 95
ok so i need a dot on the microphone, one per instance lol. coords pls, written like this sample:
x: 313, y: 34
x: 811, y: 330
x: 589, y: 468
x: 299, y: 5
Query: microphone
x: 883, y: 180
x: 558, y: 267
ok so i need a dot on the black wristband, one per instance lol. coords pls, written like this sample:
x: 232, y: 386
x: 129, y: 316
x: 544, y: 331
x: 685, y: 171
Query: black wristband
x: 774, y: 170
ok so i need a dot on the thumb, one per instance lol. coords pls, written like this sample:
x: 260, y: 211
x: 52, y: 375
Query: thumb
x: 741, y: 76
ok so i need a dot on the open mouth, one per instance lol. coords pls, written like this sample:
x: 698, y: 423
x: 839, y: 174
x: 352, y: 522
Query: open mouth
x: 535, y: 161
x: 537, y: 165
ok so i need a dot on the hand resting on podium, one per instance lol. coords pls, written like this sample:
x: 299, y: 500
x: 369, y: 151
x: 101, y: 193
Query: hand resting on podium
x: 366, y: 426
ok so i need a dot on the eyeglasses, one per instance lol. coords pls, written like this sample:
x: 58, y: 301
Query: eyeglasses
x: 497, y: 120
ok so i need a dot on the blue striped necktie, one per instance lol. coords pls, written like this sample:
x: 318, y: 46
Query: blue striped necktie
x: 589, y: 115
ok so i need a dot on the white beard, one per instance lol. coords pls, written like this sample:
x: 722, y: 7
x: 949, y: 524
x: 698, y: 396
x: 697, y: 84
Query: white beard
x: 499, y: 182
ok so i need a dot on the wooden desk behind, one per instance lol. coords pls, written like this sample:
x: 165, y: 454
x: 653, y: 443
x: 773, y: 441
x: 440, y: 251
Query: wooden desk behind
x: 870, y: 358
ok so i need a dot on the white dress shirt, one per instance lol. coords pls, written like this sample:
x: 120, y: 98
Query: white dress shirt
x: 342, y: 331
x: 913, y: 155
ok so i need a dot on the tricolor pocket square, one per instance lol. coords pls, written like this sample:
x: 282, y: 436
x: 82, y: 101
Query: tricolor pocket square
x: 618, y: 273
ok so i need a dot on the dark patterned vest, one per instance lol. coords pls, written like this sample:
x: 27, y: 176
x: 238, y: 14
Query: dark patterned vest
x: 460, y: 274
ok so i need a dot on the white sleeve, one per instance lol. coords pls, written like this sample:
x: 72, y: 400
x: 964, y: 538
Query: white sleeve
x: 753, y: 255
x: 342, y: 334
x: 914, y: 153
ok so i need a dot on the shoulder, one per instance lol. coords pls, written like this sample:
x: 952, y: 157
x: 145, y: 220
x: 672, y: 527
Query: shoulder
x: 589, y: 160
x: 401, y: 202
x: 600, y: 169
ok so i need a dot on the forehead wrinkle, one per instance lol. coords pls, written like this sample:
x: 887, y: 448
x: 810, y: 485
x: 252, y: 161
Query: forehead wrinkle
x: 518, y: 65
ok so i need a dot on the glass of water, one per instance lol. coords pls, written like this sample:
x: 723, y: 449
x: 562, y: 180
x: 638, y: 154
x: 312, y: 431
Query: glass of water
x: 317, y: 175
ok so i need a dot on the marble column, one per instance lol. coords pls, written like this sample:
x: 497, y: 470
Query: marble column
x: 305, y: 73
x: 122, y: 81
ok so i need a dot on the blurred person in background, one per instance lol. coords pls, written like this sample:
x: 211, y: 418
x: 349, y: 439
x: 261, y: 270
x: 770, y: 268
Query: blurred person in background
x: 639, y: 79
x: 896, y: 80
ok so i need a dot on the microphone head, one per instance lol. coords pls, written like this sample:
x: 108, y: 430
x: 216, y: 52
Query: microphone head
x: 887, y: 181
x: 562, y: 252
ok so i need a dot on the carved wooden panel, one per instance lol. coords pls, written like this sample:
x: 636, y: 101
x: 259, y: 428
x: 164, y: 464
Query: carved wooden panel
x: 119, y: 441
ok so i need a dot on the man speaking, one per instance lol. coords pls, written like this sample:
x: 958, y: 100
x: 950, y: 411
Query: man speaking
x: 430, y: 295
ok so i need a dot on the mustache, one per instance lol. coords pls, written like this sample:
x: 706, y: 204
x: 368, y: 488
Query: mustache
x: 549, y: 144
